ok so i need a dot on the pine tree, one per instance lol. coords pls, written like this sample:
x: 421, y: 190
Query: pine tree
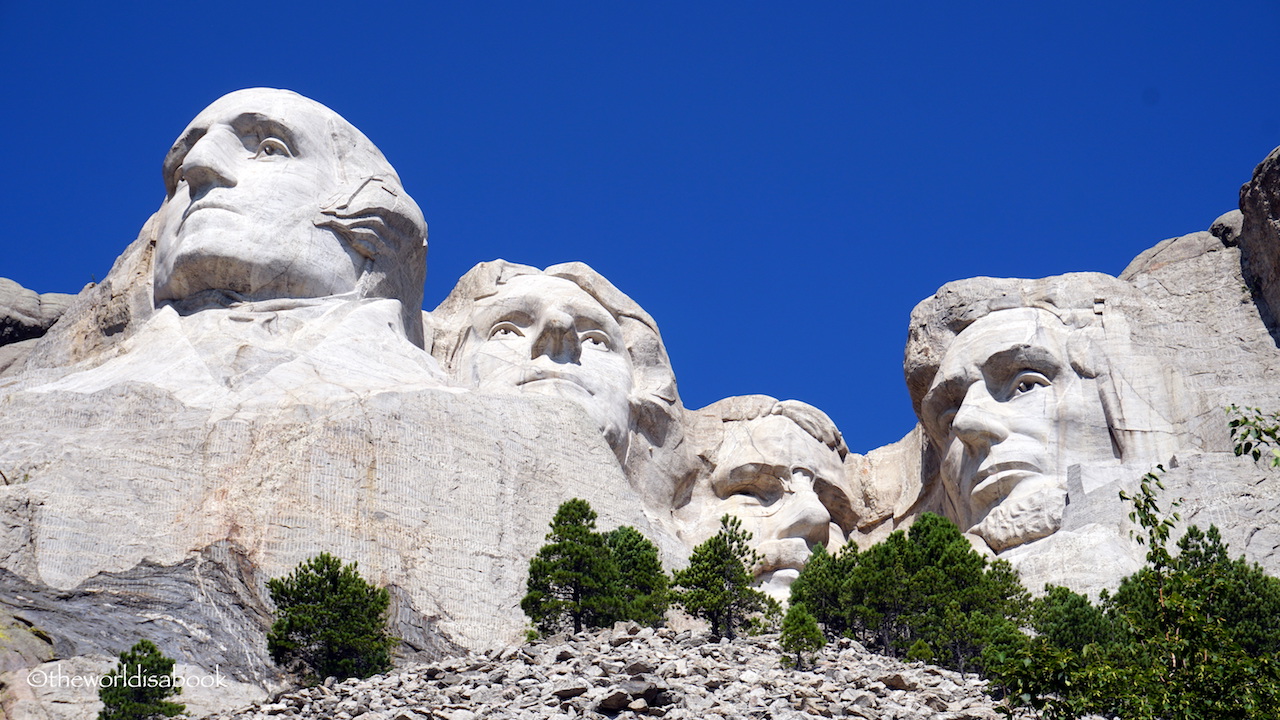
x: 819, y: 587
x: 642, y: 584
x: 329, y: 621
x: 800, y: 634
x: 1068, y: 620
x: 573, y: 580
x: 137, y: 688
x: 717, y: 584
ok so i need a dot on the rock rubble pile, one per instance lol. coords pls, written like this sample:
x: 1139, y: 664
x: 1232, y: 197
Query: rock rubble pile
x: 633, y: 672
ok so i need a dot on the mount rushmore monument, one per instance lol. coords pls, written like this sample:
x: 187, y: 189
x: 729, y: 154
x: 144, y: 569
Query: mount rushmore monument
x: 255, y: 382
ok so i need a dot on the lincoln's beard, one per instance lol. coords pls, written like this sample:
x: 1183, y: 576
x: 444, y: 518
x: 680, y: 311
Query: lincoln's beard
x: 1021, y: 520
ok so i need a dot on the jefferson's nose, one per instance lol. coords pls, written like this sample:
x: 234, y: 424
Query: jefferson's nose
x: 804, y: 515
x: 977, y: 423
x: 557, y: 338
x: 209, y: 161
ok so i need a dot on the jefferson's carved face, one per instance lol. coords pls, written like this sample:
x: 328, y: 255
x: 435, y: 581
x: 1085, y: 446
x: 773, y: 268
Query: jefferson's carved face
x: 246, y: 181
x: 767, y: 473
x: 545, y: 335
x: 1010, y: 413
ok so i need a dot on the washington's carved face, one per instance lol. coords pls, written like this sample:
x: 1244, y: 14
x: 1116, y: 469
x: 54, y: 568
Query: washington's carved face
x: 1008, y: 410
x: 767, y: 473
x: 246, y: 181
x: 545, y: 335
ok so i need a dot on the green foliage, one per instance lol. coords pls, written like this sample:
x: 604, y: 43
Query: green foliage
x: 800, y: 635
x: 137, y: 688
x: 1068, y: 620
x: 329, y: 621
x: 1191, y: 636
x: 642, y: 583
x: 920, y: 652
x: 767, y: 621
x: 819, y: 587
x: 928, y: 586
x: 1253, y: 431
x: 573, y: 580
x: 717, y: 584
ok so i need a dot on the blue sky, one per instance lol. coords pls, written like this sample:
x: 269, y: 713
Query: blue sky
x: 777, y: 183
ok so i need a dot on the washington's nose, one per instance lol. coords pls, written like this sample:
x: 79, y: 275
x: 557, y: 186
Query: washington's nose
x: 208, y: 165
x: 806, y: 517
x: 977, y: 423
x: 557, y: 338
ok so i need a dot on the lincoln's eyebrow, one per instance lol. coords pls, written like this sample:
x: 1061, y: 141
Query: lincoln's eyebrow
x: 265, y: 126
x: 1002, y: 365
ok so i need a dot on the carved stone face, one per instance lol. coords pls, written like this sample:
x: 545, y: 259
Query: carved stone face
x: 246, y: 181
x: 767, y: 472
x: 545, y: 335
x: 1012, y: 416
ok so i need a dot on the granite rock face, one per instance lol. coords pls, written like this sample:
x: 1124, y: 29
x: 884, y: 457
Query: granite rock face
x: 254, y: 383
x: 210, y: 415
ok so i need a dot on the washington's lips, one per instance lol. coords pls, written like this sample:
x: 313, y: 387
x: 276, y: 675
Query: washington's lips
x: 205, y: 205
x: 992, y: 476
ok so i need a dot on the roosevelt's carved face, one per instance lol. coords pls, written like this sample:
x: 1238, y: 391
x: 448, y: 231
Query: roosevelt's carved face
x: 246, y: 181
x: 767, y: 474
x: 1011, y: 416
x: 545, y: 335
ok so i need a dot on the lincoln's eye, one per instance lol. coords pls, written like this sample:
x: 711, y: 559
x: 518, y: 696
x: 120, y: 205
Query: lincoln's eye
x: 1026, y: 381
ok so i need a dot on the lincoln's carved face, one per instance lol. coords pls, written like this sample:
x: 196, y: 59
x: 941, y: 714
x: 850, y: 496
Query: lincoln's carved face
x: 545, y: 335
x: 1011, y: 415
x: 246, y: 181
x: 767, y: 474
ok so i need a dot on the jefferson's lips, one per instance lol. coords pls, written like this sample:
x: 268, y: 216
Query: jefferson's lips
x: 548, y: 376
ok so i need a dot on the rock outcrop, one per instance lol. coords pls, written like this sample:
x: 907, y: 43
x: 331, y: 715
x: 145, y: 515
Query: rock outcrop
x: 25, y: 316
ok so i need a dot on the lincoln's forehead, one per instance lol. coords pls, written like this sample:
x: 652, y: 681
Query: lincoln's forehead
x: 1037, y: 331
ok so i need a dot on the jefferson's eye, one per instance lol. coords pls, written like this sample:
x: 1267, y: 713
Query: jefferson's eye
x: 271, y: 147
x: 505, y: 330
x: 596, y: 339
x: 1026, y: 381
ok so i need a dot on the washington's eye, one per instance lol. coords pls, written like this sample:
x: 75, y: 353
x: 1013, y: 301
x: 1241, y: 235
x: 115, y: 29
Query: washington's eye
x: 1026, y: 381
x: 178, y: 176
x: 505, y: 330
x: 596, y: 339
x: 272, y: 147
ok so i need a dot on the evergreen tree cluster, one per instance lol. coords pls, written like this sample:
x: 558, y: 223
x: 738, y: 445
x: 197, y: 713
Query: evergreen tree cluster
x: 585, y: 579
x: 1191, y: 635
x: 924, y: 594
